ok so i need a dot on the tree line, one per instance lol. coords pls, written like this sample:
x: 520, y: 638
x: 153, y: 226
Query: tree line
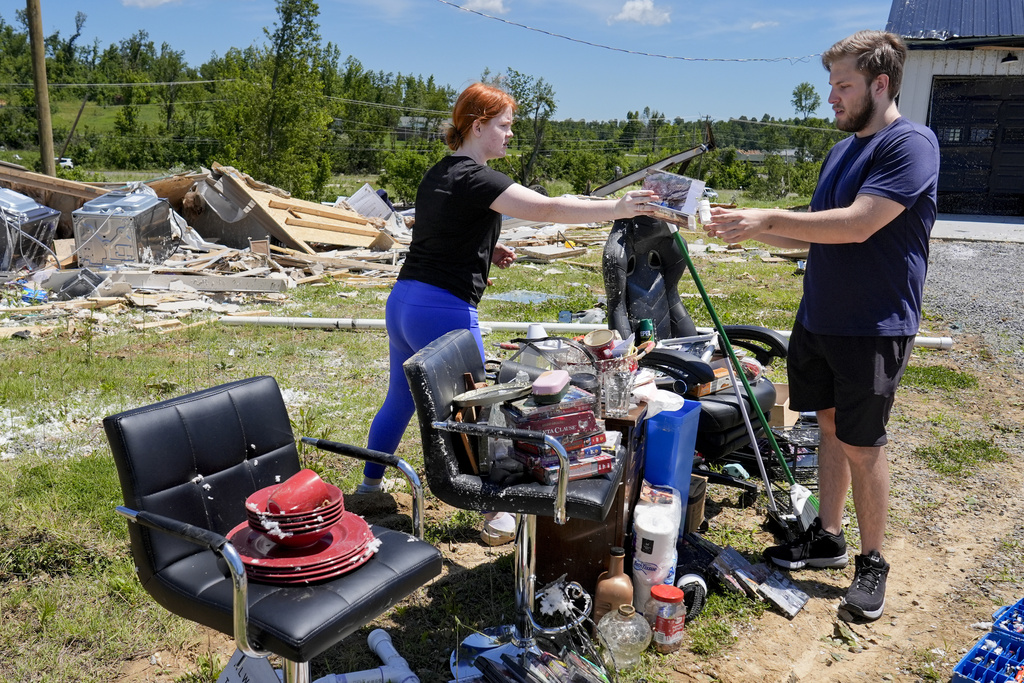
x: 292, y: 112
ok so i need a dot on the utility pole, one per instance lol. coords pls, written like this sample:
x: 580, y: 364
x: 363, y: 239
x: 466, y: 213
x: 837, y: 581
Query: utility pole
x: 35, y: 32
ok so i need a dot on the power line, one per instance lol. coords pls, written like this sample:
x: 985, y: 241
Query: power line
x: 115, y: 85
x: 791, y: 60
x: 381, y: 105
x: 788, y: 125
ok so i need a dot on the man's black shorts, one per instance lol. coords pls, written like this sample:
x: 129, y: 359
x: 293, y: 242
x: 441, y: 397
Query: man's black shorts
x: 857, y: 376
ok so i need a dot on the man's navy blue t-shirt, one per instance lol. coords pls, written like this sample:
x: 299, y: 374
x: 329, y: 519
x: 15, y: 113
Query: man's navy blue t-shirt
x: 874, y: 288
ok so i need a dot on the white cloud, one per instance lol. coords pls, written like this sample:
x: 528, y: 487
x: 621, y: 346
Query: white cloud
x: 147, y: 3
x: 487, y: 6
x: 642, y: 12
x: 763, y: 24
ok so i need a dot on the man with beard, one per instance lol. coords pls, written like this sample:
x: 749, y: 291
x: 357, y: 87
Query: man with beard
x: 867, y: 234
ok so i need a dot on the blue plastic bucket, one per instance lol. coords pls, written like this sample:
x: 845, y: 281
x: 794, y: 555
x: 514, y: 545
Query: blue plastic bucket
x: 671, y: 436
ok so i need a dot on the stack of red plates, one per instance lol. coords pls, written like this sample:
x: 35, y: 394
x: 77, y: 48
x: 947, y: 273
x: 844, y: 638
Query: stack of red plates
x: 294, y: 529
x: 301, y: 547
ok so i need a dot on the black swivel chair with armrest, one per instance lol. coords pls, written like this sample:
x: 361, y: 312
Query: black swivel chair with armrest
x: 186, y: 467
x: 435, y: 376
x: 642, y: 266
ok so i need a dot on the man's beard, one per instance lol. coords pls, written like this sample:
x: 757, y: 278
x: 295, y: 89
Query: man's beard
x: 857, y: 121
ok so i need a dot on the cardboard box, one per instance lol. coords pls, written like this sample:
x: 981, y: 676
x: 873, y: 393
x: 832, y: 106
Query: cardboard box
x: 720, y: 382
x: 781, y: 415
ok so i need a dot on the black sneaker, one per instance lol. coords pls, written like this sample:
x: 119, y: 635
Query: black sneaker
x: 866, y: 598
x: 813, y: 548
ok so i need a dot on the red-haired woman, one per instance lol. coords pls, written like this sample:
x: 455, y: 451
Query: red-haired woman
x: 459, y: 206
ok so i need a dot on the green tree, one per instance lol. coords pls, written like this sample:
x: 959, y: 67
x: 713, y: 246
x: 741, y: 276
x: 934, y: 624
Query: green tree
x: 536, y: 101
x: 805, y: 99
x: 771, y: 182
x: 404, y: 169
x: 273, y: 121
x: 653, y: 121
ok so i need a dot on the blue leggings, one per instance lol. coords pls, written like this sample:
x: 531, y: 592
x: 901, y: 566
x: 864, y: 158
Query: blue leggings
x: 416, y: 314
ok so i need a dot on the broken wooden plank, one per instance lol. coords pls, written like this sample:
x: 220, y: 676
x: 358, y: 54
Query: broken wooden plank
x: 552, y: 252
x: 155, y: 324
x: 91, y: 303
x: 37, y: 181
x: 337, y: 239
x: 335, y: 262
x: 580, y: 264
x: 181, y: 326
x: 202, y: 283
x: 303, y: 207
x: 249, y: 313
x: 236, y: 189
x: 8, y: 332
x: 334, y: 227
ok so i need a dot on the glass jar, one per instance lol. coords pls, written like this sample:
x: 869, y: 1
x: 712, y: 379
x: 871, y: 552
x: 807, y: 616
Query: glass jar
x: 668, y: 613
x: 626, y: 634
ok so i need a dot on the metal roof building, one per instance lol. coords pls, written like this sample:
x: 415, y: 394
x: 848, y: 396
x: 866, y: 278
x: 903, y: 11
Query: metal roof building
x: 964, y: 78
x: 958, y: 22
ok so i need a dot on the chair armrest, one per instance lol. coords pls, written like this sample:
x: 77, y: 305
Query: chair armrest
x: 476, y: 429
x: 380, y: 458
x: 683, y: 367
x: 222, y: 547
x: 765, y: 344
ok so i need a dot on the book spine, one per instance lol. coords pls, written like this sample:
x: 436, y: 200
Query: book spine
x: 540, y: 411
x: 576, y: 455
x: 591, y: 467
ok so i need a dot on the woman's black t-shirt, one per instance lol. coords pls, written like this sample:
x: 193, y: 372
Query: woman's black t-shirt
x: 455, y: 230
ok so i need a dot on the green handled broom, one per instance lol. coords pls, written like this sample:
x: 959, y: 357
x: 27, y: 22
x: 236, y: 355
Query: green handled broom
x: 804, y: 503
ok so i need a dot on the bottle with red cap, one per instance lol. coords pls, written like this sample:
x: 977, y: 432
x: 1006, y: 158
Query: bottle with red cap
x: 667, y: 612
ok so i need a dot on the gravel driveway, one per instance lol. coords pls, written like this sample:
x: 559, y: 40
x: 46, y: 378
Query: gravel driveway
x: 978, y: 288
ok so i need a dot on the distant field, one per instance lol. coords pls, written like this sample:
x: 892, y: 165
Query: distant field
x: 100, y: 118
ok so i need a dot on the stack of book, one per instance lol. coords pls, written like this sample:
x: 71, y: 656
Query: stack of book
x: 573, y: 424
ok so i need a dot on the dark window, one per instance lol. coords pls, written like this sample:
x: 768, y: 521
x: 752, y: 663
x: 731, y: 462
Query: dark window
x: 983, y: 136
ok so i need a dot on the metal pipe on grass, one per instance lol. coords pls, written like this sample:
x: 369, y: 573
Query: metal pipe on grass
x: 939, y: 343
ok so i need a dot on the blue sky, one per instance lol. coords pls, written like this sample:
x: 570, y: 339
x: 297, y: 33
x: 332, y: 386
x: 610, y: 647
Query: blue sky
x: 424, y: 37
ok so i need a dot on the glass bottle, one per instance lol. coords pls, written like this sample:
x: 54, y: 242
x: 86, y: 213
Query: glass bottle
x: 626, y: 634
x: 666, y: 612
x: 614, y: 587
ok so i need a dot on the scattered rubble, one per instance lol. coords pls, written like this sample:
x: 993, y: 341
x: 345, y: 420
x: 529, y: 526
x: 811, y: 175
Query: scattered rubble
x: 205, y: 241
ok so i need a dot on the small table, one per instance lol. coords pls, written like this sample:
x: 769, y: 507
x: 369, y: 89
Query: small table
x: 579, y: 548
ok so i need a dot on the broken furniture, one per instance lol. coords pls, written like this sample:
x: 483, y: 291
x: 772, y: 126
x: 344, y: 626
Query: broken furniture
x: 186, y: 467
x: 436, y: 376
x: 642, y: 268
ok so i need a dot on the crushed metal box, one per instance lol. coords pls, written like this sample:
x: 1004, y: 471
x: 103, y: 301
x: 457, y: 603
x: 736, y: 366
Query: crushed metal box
x: 121, y: 227
x: 26, y: 231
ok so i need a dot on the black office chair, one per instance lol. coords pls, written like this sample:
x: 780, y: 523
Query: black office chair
x: 186, y: 467
x: 435, y: 376
x: 642, y: 265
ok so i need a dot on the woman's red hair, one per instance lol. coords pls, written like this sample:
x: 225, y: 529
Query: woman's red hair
x: 478, y: 102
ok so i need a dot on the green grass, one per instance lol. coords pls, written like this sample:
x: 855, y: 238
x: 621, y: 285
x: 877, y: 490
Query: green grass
x: 714, y: 631
x: 938, y: 377
x: 954, y: 456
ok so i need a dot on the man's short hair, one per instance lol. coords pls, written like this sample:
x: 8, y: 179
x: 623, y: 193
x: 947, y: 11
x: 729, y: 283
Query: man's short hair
x: 877, y: 53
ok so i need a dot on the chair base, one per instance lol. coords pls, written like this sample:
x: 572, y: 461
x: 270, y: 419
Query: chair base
x: 491, y: 644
